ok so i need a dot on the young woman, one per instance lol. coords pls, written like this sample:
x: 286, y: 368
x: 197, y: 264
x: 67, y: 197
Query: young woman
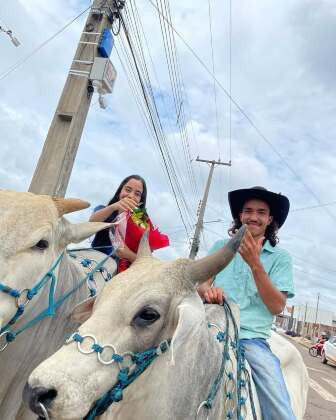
x: 131, y: 194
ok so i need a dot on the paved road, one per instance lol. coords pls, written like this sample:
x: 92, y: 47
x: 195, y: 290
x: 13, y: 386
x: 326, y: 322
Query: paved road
x: 322, y: 391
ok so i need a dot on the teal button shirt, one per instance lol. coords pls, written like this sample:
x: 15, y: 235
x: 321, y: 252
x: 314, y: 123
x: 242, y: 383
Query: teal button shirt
x: 238, y: 284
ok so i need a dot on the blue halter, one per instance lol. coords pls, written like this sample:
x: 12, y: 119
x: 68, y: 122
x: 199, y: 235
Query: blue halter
x: 142, y: 360
x: 53, y: 304
x: 30, y: 293
x: 137, y: 364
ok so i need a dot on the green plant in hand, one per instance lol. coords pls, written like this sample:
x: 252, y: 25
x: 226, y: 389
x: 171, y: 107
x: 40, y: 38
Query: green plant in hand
x: 140, y: 218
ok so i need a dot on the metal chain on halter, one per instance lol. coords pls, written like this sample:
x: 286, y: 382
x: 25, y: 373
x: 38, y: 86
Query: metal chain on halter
x: 29, y: 294
x: 90, y: 263
x: 131, y: 366
x: 53, y: 305
x: 238, y: 388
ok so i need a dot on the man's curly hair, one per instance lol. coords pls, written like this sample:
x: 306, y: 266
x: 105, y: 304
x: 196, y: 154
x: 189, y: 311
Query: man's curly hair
x: 270, y: 234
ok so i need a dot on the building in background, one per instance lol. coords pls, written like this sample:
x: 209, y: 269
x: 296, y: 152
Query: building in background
x: 307, y: 321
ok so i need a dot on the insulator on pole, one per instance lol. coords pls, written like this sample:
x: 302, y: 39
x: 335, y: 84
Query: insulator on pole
x: 8, y: 32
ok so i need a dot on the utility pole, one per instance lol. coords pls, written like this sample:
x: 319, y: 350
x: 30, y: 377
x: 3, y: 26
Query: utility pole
x: 291, y: 319
x: 199, y: 225
x: 55, y: 164
x: 305, y: 317
x: 317, y: 306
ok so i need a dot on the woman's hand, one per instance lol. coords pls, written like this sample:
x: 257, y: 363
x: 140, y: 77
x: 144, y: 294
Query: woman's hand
x: 125, y: 204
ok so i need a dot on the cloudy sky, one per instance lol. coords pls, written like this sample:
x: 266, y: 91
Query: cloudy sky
x: 280, y: 135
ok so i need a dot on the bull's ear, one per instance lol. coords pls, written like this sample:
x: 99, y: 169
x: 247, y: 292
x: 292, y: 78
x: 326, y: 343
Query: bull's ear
x: 83, y: 310
x: 74, y: 233
x: 191, y: 315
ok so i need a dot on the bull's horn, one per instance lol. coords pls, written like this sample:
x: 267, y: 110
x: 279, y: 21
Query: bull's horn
x: 68, y: 205
x: 207, y: 267
x: 144, y: 248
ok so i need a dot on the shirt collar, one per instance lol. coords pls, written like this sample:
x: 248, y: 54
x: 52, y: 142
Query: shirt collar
x: 268, y: 247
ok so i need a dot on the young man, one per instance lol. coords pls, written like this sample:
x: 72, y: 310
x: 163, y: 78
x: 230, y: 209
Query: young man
x: 259, y: 279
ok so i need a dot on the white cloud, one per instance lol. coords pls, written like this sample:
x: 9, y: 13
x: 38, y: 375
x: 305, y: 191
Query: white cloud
x: 282, y: 76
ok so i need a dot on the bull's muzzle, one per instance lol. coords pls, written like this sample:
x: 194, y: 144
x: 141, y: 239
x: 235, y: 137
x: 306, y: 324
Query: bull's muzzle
x: 39, y: 399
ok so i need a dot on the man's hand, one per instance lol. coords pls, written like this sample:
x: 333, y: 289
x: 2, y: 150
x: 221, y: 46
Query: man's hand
x: 250, y: 249
x: 211, y: 294
x: 126, y: 253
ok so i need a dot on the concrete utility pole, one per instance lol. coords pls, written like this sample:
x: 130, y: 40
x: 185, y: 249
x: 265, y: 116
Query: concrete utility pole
x: 305, y: 317
x: 55, y: 164
x: 317, y: 305
x: 199, y: 225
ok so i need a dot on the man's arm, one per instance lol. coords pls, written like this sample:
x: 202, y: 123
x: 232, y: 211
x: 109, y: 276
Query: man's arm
x: 271, y: 296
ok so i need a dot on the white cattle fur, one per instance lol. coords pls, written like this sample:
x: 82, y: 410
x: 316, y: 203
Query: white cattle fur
x: 175, y: 384
x: 25, y: 219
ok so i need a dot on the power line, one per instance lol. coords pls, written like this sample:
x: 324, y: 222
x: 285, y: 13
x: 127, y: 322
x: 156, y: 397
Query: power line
x: 332, y: 203
x: 230, y: 87
x: 27, y: 57
x: 176, y: 81
x: 320, y: 267
x: 214, y: 81
x: 241, y: 110
x: 138, y: 24
x: 150, y: 104
x: 135, y: 23
x: 314, y: 275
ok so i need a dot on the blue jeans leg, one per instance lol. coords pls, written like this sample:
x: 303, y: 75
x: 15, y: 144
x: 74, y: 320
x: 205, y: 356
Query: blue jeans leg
x: 272, y: 392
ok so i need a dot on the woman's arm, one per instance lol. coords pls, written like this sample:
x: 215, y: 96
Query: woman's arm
x: 103, y: 214
x: 126, y: 203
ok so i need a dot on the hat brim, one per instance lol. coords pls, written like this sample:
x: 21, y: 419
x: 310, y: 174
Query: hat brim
x: 278, y: 203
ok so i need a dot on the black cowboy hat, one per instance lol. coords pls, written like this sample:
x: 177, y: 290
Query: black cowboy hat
x: 278, y: 204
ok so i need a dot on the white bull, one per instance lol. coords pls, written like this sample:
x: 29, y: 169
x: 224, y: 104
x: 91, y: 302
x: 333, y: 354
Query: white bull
x: 151, y: 302
x: 33, y: 234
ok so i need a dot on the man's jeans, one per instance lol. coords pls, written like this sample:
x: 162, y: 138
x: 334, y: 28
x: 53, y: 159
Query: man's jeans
x: 267, y: 375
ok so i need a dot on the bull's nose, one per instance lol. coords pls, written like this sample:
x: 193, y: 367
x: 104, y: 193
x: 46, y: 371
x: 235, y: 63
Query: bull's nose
x: 34, y: 397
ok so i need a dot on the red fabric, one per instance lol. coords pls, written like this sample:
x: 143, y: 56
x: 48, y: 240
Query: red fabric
x: 134, y: 234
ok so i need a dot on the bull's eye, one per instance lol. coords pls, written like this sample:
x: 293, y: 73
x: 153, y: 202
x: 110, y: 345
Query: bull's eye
x: 42, y: 244
x: 146, y: 316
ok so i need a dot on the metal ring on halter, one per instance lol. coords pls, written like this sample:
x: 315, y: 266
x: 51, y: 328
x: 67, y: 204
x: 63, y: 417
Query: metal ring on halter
x: 90, y: 263
x: 19, y: 297
x: 2, y: 348
x: 127, y: 363
x: 44, y: 411
x: 230, y: 404
x: 203, y: 404
x: 79, y: 344
x: 216, y: 326
x: 105, y: 274
x: 106, y: 362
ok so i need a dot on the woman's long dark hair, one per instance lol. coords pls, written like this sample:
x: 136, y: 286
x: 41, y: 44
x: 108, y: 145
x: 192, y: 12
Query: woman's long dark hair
x: 270, y: 233
x: 102, y: 238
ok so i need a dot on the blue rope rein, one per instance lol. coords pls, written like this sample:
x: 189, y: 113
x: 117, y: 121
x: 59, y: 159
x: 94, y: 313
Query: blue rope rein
x: 31, y: 293
x: 143, y: 360
x: 10, y: 291
x: 126, y: 376
x: 241, y: 370
x: 53, y: 304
